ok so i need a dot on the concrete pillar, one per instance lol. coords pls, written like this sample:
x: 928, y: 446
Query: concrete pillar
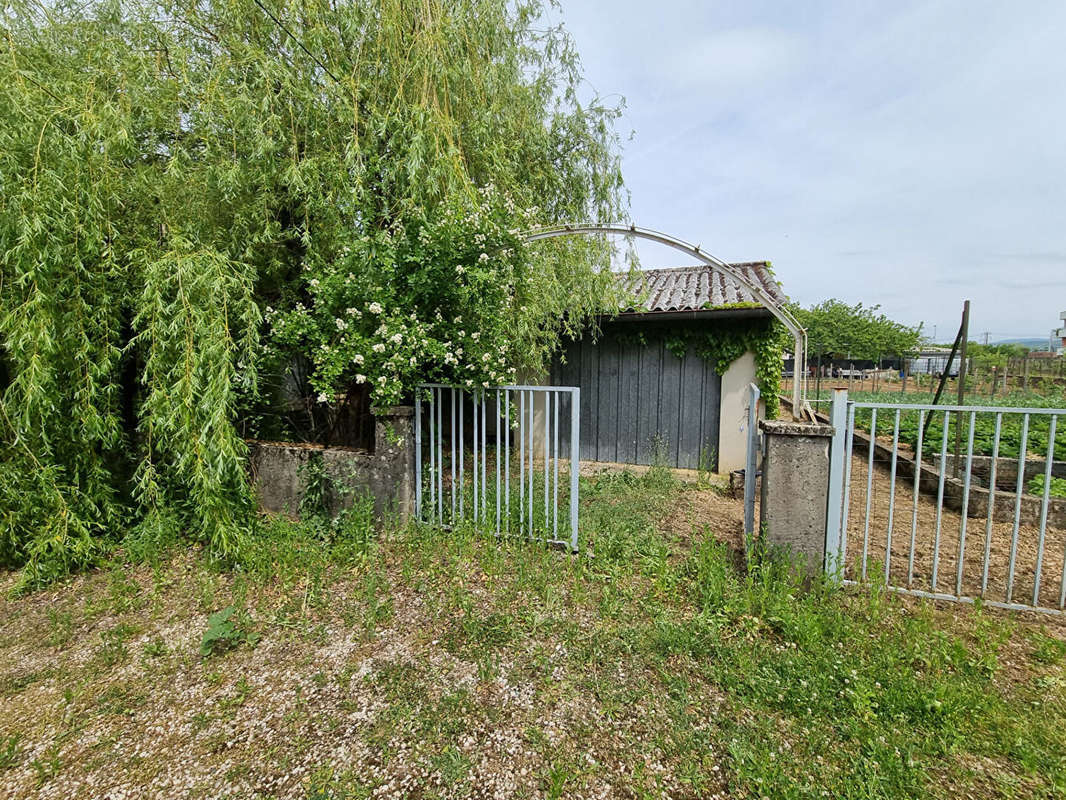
x: 394, y: 452
x: 795, y: 489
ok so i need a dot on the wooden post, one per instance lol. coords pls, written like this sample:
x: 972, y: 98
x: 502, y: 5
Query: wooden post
x: 1025, y: 373
x: 962, y: 381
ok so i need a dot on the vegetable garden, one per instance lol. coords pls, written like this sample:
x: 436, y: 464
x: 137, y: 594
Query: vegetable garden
x: 984, y: 427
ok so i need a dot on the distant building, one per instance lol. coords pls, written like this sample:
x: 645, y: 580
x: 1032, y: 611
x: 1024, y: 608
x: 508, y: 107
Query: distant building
x: 1061, y: 332
x: 934, y: 361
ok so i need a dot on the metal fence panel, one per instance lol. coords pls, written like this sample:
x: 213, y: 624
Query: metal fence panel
x: 994, y: 465
x: 498, y: 457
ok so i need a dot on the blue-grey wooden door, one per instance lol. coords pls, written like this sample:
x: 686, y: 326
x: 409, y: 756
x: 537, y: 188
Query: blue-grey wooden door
x: 640, y: 402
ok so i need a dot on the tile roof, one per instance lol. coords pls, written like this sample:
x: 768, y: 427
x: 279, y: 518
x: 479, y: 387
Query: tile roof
x: 699, y: 288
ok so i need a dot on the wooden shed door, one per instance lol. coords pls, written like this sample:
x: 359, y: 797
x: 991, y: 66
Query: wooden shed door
x: 639, y: 398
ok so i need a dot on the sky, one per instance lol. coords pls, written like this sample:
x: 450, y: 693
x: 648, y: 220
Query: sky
x: 907, y: 154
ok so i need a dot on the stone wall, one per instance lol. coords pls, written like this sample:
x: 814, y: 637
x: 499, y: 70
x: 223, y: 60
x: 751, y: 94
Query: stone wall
x: 387, y: 474
x: 1006, y: 469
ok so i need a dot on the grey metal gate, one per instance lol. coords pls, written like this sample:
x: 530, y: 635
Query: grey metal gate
x: 499, y: 457
x: 947, y: 502
x: 641, y: 403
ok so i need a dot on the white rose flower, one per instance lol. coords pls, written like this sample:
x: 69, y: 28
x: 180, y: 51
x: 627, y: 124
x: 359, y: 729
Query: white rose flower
x: 322, y: 397
x: 360, y: 378
x: 378, y: 348
x: 358, y: 359
x: 460, y: 269
x: 375, y: 308
x: 396, y: 338
x: 483, y: 258
x: 340, y: 323
x: 475, y: 335
x: 314, y: 282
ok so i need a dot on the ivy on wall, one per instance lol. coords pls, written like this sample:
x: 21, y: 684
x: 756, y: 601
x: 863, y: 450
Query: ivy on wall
x: 722, y: 343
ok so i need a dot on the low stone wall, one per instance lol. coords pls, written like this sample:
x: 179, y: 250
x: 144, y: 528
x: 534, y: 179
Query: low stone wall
x: 387, y: 474
x: 1006, y: 469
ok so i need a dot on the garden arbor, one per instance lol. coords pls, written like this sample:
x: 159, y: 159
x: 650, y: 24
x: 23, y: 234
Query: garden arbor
x: 778, y: 310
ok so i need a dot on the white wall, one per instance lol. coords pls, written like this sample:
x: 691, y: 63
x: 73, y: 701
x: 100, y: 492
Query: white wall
x: 733, y: 423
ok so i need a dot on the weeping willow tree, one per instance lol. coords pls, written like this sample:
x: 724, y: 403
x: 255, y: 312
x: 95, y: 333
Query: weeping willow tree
x: 194, y: 194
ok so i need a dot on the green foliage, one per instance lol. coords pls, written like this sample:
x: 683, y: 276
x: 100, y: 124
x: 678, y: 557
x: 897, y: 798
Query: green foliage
x: 1038, y: 486
x: 226, y: 629
x: 837, y: 329
x: 356, y: 175
x: 9, y: 751
x: 723, y: 343
x: 331, y: 510
x: 984, y: 428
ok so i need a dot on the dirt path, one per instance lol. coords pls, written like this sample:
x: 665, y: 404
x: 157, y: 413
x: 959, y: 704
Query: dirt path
x: 997, y: 539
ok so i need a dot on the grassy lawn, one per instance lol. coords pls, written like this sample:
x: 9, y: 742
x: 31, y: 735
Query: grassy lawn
x: 426, y: 664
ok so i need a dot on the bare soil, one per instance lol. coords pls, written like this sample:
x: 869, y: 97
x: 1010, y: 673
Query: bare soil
x: 868, y: 542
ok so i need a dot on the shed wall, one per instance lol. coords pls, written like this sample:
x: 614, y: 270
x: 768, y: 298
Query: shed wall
x: 639, y: 402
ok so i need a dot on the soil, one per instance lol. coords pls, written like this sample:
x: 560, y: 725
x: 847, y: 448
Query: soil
x: 869, y: 543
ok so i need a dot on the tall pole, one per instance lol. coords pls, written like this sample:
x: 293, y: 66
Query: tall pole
x: 962, y: 380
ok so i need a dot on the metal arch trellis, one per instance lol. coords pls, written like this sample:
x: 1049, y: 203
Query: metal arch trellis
x: 782, y: 314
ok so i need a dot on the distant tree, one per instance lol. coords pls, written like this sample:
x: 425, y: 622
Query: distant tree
x: 838, y: 330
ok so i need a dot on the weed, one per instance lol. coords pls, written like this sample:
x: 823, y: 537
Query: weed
x: 47, y: 766
x: 318, y: 487
x: 452, y: 765
x: 156, y: 648
x: 705, y: 466
x: 1048, y: 650
x: 60, y: 627
x: 9, y: 751
x: 112, y: 648
x: 226, y: 629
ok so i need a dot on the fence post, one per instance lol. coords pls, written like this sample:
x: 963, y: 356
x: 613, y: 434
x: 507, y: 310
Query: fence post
x: 838, y: 418
x: 575, y: 462
x: 751, y: 464
x: 418, y: 455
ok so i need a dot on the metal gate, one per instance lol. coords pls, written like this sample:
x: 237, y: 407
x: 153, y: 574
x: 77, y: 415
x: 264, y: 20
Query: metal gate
x: 494, y: 457
x: 949, y: 502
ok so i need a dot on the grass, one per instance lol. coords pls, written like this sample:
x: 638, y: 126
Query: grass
x: 426, y: 663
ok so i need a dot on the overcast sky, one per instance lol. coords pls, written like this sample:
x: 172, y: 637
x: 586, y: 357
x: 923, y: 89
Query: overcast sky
x: 903, y: 153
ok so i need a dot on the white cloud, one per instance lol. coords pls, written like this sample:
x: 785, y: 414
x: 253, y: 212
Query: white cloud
x: 894, y: 153
x: 732, y: 60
